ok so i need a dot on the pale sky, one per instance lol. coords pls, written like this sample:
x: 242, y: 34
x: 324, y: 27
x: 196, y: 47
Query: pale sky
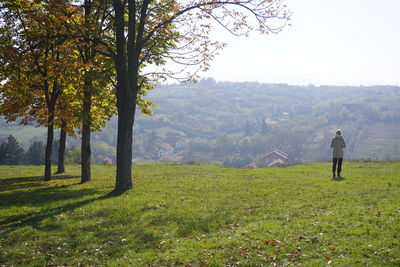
x: 341, y: 42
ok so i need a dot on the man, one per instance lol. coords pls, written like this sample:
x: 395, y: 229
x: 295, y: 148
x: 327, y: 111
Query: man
x: 337, y: 144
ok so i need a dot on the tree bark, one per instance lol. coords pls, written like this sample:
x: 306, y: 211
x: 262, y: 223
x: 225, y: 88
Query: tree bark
x: 128, y: 51
x: 126, y: 104
x: 61, y: 150
x: 124, y: 152
x: 49, y: 144
x: 86, y: 124
x: 126, y: 117
x: 86, y: 152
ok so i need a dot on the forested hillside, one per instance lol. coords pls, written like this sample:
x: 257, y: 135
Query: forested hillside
x: 236, y: 123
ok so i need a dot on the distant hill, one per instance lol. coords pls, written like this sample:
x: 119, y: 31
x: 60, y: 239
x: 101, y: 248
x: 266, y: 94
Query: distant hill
x: 236, y: 123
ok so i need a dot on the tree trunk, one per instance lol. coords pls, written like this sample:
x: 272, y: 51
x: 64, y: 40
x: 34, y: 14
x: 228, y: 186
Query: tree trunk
x: 125, y: 116
x: 86, y: 124
x: 61, y: 150
x: 126, y: 102
x: 86, y: 152
x: 124, y: 150
x: 128, y: 51
x: 49, y: 145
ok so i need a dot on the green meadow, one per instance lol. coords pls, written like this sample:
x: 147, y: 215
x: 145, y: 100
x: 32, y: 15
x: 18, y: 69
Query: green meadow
x: 203, y: 215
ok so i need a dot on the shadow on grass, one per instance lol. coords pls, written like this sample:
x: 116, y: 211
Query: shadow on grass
x: 43, y: 196
x: 34, y: 218
x: 338, y: 179
x: 142, y: 226
x: 29, y: 181
x: 114, y: 223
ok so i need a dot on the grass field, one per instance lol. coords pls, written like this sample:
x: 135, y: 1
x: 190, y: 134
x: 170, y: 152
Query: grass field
x: 203, y: 215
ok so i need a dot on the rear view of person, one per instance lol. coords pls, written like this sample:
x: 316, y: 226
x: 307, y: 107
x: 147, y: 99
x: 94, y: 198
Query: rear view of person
x: 337, y: 144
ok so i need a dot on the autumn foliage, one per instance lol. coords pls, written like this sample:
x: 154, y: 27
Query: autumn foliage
x: 78, y: 62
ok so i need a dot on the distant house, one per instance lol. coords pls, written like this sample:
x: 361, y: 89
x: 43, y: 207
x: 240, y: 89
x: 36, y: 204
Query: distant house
x: 164, y: 150
x: 176, y: 140
x: 104, y: 160
x: 275, y: 158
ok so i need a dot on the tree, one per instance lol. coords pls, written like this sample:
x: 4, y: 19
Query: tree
x: 264, y: 127
x: 245, y: 147
x: 61, y: 148
x: 88, y: 20
x: 74, y: 156
x: 64, y: 71
x: 147, y: 35
x: 224, y: 146
x: 92, y: 23
x: 37, y: 64
x: 153, y: 32
x: 11, y: 153
x: 150, y: 141
x: 248, y: 129
x: 55, y: 149
x: 35, y: 153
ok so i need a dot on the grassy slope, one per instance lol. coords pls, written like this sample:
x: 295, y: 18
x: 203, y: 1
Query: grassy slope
x: 203, y: 215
